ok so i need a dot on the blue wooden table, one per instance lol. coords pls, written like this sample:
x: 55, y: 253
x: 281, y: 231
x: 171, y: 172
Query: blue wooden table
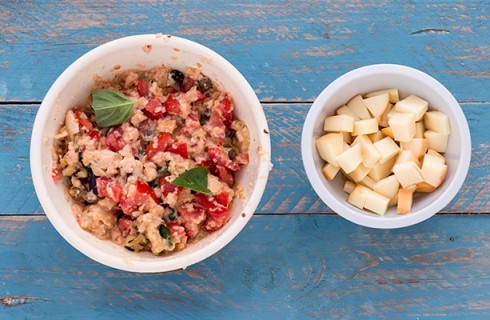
x: 295, y: 259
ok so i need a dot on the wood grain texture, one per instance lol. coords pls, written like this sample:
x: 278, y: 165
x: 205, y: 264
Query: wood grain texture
x: 288, y: 189
x: 288, y: 50
x: 279, y: 267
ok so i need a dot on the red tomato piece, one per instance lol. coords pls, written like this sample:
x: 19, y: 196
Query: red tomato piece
x: 225, y: 175
x: 217, y: 219
x: 220, y: 157
x: 114, y: 139
x: 110, y: 188
x: 226, y: 109
x: 194, y: 217
x: 94, y: 134
x: 124, y: 226
x: 158, y: 144
x: 180, y: 149
x: 56, y: 175
x: 172, y: 105
x: 143, y: 193
x: 200, y: 96
x: 144, y: 189
x: 83, y: 121
x: 154, y: 109
x: 216, y: 121
x: 187, y: 84
x: 143, y: 87
x: 168, y: 188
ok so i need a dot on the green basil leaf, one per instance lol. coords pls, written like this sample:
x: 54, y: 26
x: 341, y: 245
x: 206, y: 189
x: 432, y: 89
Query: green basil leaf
x: 195, y: 179
x: 111, y: 107
x: 165, y: 234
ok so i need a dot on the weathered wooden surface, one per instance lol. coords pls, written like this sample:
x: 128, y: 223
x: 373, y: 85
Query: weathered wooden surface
x: 279, y: 267
x: 282, y: 194
x: 289, y: 262
x: 288, y: 50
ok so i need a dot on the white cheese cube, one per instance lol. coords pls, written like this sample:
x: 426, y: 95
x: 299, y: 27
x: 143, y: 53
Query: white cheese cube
x: 330, y: 171
x: 345, y: 110
x: 387, y: 148
x: 374, y: 201
x: 370, y: 154
x: 378, y: 135
x: 382, y: 170
x: 402, y: 125
x: 350, y: 159
x: 357, y: 197
x: 383, y: 119
x: 408, y: 173
x: 393, y: 92
x: 349, y: 186
x: 357, y: 106
x: 339, y: 123
x: 330, y: 146
x: 424, y: 187
x: 360, y: 173
x: 419, y: 130
x: 377, y: 104
x: 365, y: 126
x: 412, y: 104
x: 437, y: 154
x: 434, y: 171
x: 387, y: 187
x: 367, y: 182
x: 405, y: 199
x: 393, y: 201
x: 407, y: 156
x: 418, y: 146
x: 437, y: 141
x: 437, y: 121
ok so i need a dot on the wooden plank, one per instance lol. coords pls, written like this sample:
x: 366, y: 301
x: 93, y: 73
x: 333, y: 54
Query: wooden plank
x: 288, y: 51
x: 282, y: 194
x: 279, y: 267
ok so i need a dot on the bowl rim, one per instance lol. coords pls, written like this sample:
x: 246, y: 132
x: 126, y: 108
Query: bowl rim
x: 342, y: 208
x: 136, y: 265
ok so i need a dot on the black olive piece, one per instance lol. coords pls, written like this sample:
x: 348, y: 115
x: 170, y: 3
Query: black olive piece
x: 232, y: 154
x: 204, y: 84
x: 172, y: 215
x: 177, y: 76
x: 193, y: 192
x: 129, y: 248
x: 205, y: 117
x: 92, y: 183
x: 231, y: 134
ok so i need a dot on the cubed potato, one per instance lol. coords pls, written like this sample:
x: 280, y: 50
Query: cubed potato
x: 367, y: 182
x: 377, y: 104
x: 412, y: 104
x: 330, y: 171
x: 405, y: 199
x: 408, y: 174
x: 330, y: 146
x: 357, y: 106
x: 387, y: 132
x: 378, y: 135
x: 375, y: 202
x: 349, y: 186
x: 393, y: 201
x: 425, y: 187
x: 437, y: 154
x: 419, y: 130
x: 347, y: 137
x: 437, y: 121
x: 360, y: 173
x: 357, y: 197
x: 350, y: 159
x: 393, y: 93
x: 382, y: 170
x: 343, y: 122
x: 387, y: 148
x: 418, y: 146
x: 387, y: 187
x: 407, y: 156
x: 345, y: 110
x: 370, y: 154
x: 383, y: 119
x: 437, y: 141
x: 434, y: 171
x: 402, y: 125
x: 365, y: 127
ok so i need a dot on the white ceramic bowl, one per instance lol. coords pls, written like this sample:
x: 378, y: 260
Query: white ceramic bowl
x: 408, y: 81
x: 73, y: 86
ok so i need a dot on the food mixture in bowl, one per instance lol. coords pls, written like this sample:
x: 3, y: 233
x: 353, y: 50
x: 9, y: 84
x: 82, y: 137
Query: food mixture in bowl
x: 150, y: 158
